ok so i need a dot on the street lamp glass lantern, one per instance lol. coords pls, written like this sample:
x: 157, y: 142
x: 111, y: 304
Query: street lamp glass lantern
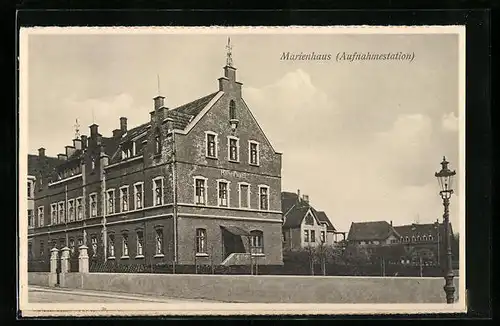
x: 445, y: 178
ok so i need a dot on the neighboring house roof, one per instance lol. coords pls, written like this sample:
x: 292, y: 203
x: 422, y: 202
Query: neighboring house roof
x: 37, y: 164
x: 420, y: 229
x: 324, y: 218
x: 295, y: 210
x: 377, y: 230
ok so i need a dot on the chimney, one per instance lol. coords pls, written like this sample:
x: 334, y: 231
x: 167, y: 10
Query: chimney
x: 305, y: 198
x: 77, y: 144
x: 159, y: 102
x: 69, y: 150
x: 117, y: 133
x: 62, y: 157
x: 41, y: 152
x: 84, y: 141
x: 93, y: 130
x: 298, y: 195
x: 123, y: 124
x: 391, y: 222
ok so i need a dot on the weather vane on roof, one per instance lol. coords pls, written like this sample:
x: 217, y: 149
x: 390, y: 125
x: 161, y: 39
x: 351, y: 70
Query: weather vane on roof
x: 229, y: 59
x: 77, y: 129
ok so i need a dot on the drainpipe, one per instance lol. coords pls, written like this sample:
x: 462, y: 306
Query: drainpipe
x: 174, y: 191
x: 66, y: 213
x: 103, y: 210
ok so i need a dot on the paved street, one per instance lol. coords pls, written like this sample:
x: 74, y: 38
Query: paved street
x: 53, y: 295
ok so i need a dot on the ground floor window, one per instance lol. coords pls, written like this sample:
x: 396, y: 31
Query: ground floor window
x: 256, y: 242
x: 159, y: 241
x: 111, y: 245
x: 201, y: 240
x: 93, y: 241
x: 140, y: 242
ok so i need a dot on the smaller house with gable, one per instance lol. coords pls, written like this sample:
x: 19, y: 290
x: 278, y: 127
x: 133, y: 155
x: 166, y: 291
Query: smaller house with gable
x: 305, y: 226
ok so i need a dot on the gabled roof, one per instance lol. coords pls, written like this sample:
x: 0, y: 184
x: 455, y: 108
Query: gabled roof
x: 295, y: 210
x: 195, y: 107
x: 324, y: 218
x: 377, y: 230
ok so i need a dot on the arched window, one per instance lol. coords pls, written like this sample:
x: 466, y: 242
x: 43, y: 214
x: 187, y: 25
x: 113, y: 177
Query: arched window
x: 430, y: 237
x: 309, y: 220
x: 413, y: 238
x: 232, y: 110
x: 418, y: 238
x: 256, y: 242
x: 424, y: 238
x: 407, y: 239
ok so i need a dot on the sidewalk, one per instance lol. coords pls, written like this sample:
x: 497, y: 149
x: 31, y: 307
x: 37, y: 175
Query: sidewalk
x: 113, y: 295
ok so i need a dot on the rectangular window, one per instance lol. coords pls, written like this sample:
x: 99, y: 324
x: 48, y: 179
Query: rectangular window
x: 79, y: 208
x: 111, y: 246
x: 159, y: 242
x: 62, y: 217
x: 71, y: 210
x: 72, y: 246
x: 233, y: 149
x: 244, y: 195
x: 200, y: 191
x: 322, y: 235
x: 53, y: 213
x: 124, y: 245
x: 211, y: 145
x: 264, y: 197
x: 42, y: 249
x: 140, y: 243
x: 256, y: 242
x: 40, y: 216
x: 254, y: 153
x: 201, y: 238
x: 93, y: 205
x: 313, y: 236
x: 139, y: 195
x: 30, y: 189
x: 110, y: 201
x: 124, y: 198
x: 157, y: 191
x: 31, y: 219
x: 93, y: 242
x: 223, y: 193
x: 306, y: 235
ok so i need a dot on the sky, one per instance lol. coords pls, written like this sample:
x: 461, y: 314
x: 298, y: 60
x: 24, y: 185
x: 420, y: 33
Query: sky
x: 362, y: 139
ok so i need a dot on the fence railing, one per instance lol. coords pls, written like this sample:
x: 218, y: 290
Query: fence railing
x: 286, y: 269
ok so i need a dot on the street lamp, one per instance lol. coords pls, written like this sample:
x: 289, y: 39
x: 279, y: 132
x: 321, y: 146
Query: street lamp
x: 445, y: 179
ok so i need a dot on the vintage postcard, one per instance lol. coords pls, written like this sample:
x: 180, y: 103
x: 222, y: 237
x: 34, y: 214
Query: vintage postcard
x: 228, y: 171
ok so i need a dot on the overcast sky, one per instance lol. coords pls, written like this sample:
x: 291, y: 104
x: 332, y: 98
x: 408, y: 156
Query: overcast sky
x: 362, y: 139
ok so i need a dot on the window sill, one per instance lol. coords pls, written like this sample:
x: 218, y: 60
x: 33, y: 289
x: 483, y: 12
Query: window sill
x: 124, y: 257
x: 211, y: 157
x: 254, y: 164
x: 111, y: 258
x: 201, y: 254
x: 159, y: 256
x: 139, y: 256
x: 258, y: 255
x: 200, y: 204
x: 233, y: 161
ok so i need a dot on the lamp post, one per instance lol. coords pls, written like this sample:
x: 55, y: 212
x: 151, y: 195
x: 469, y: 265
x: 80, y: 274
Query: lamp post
x: 445, y: 179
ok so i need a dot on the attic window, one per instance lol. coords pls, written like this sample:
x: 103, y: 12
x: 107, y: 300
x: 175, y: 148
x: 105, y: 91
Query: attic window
x: 309, y: 220
x: 157, y: 142
x: 232, y: 110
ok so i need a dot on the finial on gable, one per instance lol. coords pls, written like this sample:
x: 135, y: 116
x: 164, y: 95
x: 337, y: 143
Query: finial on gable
x: 229, y: 58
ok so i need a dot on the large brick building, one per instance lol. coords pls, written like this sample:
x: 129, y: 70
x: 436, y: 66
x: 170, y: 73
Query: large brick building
x: 200, y: 182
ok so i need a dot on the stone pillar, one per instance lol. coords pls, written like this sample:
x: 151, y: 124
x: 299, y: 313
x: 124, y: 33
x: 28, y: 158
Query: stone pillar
x: 65, y: 267
x: 83, y: 260
x: 54, y: 253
